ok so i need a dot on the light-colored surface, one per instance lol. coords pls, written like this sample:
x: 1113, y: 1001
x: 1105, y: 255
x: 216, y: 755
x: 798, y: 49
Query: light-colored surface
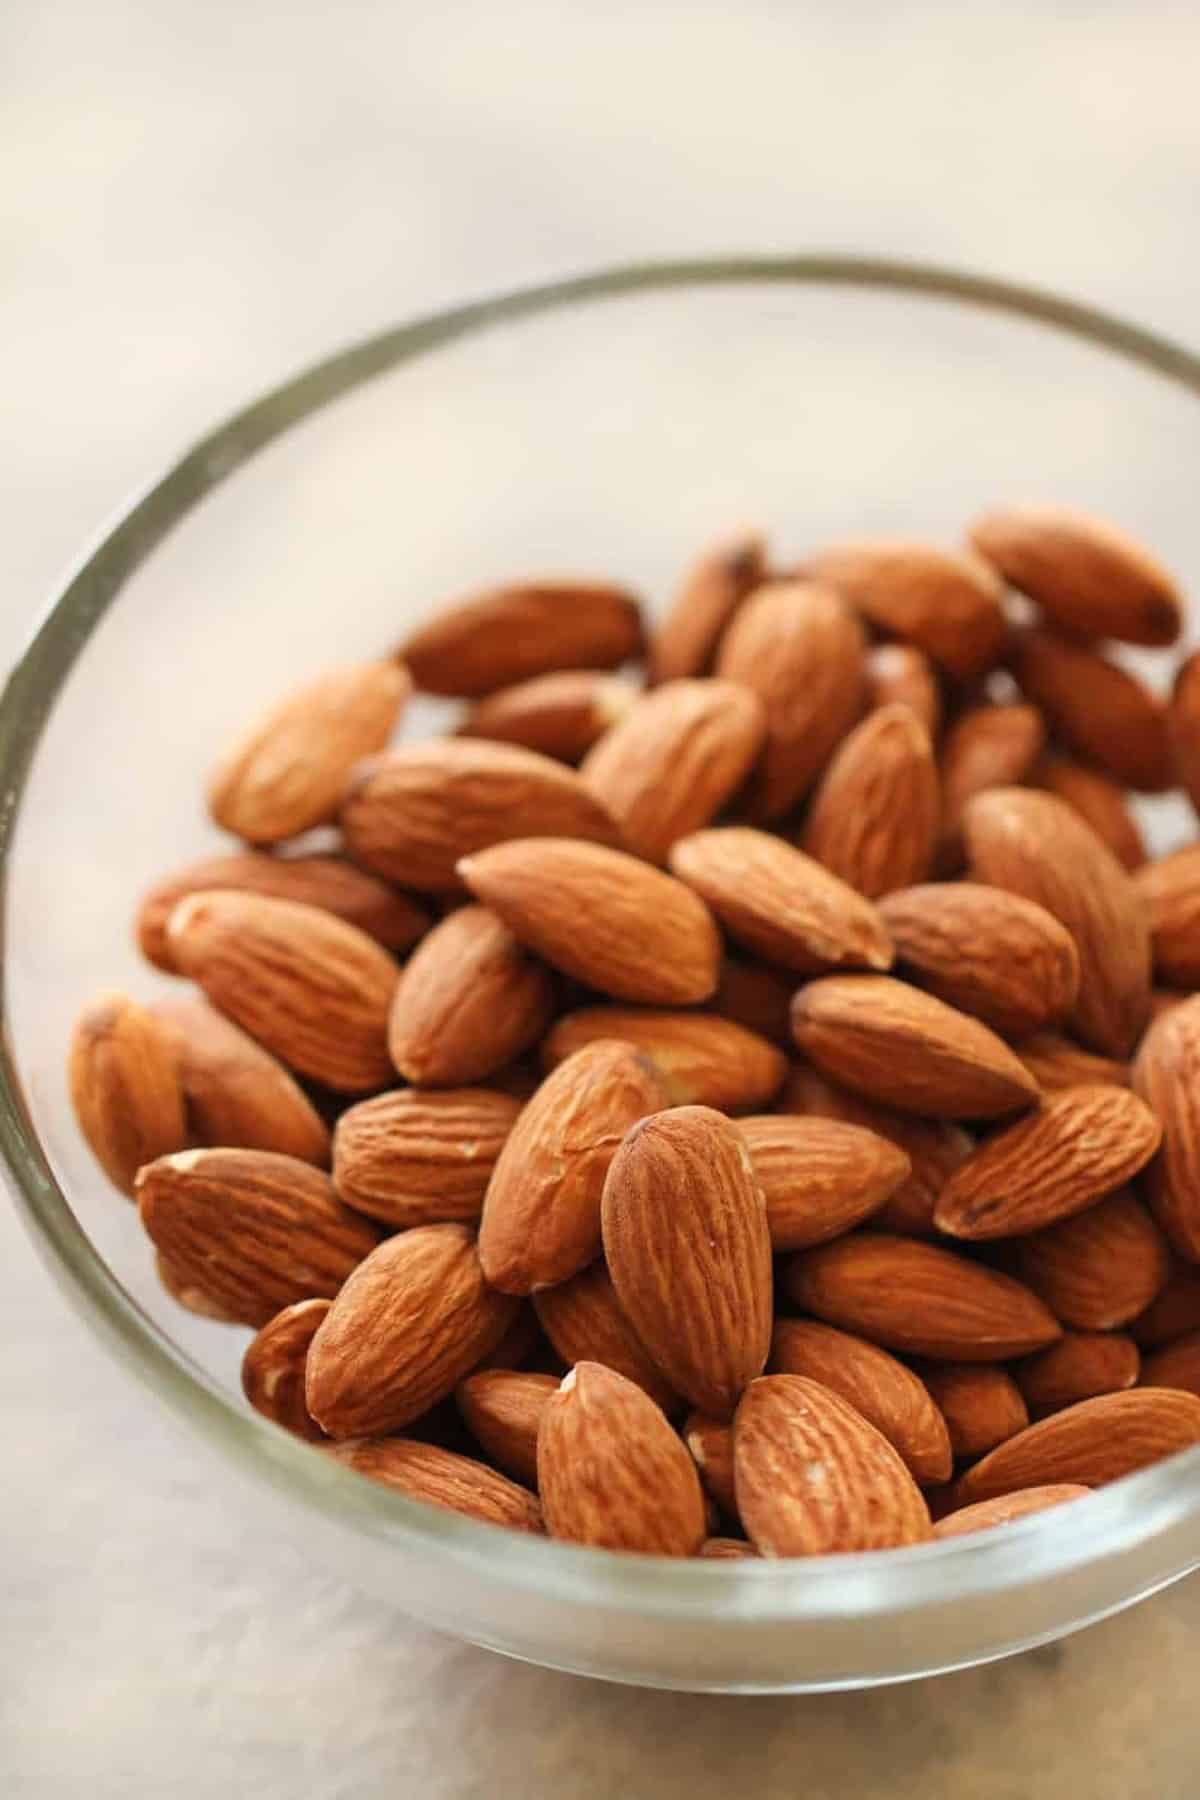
x: 197, y: 200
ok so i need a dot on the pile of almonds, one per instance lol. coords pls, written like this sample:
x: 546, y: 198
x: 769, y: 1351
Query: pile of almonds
x: 809, y: 1008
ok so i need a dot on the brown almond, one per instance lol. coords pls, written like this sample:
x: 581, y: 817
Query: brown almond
x: 509, y: 634
x: 441, y: 1477
x: 1177, y: 1365
x: 819, y: 1177
x: 726, y: 1549
x: 874, y: 817
x: 703, y: 1059
x: 985, y: 1515
x: 125, y: 1087
x: 1093, y: 1442
x: 1166, y: 1073
x: 711, y: 1444
x: 1055, y: 1062
x: 888, y: 1395
x: 180, y: 1285
x: 560, y: 715
x: 1098, y: 800
x: 986, y: 747
x: 980, y: 1403
x: 948, y: 603
x: 1170, y: 889
x: 1099, y: 1269
x: 584, y: 1321
x: 604, y: 917
x: 1100, y: 711
x: 756, y: 996
x: 273, y: 1368
x: 1183, y: 726
x: 707, y: 598
x: 522, y: 1344
x: 421, y: 1157
x: 1172, y: 1314
x: 502, y: 1409
x: 1081, y: 1365
x: 898, y: 675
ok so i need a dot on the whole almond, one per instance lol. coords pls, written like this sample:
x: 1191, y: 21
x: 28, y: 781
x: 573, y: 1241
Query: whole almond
x: 980, y: 1403
x: 441, y: 1477
x: 502, y: 1409
x: 799, y: 647
x: 469, y: 1000
x: 946, y: 602
x: 408, y: 1325
x: 125, y: 1087
x: 1166, y: 1073
x: 413, y: 813
x: 273, y: 1368
x: 986, y: 747
x: 584, y: 1321
x: 1173, y: 1313
x: 1175, y: 1366
x: 1093, y: 1442
x: 253, y: 1231
x: 612, y: 1472
x: 896, y: 1044
x: 707, y: 598
x: 421, y: 1157
x: 1081, y: 1365
x: 703, y: 1059
x: 918, y: 1299
x: 674, y: 760
x: 887, y: 1394
x: 898, y: 675
x: 1100, y: 711
x: 780, y: 903
x: 1076, y: 1146
x: 814, y: 1477
x: 990, y: 953
x: 1099, y: 800
x: 985, y: 1515
x: 1055, y: 1062
x: 1170, y: 889
x: 1087, y: 577
x: 602, y: 916
x: 711, y: 1444
x: 725, y: 1549
x: 757, y: 996
x: 288, y: 771
x: 560, y: 715
x: 509, y: 634
x: 1183, y: 726
x: 1034, y: 845
x: 819, y: 1176
x: 874, y: 817
x: 687, y: 1245
x: 312, y: 989
x: 1099, y: 1269
x: 541, y: 1217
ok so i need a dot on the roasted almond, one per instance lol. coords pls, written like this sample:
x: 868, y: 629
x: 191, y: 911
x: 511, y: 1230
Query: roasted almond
x: 1166, y: 1073
x: 711, y: 1444
x: 874, y: 817
x: 441, y: 1478
x: 1183, y: 726
x: 898, y: 675
x: 703, y: 1059
x: 948, y: 603
x: 1055, y: 1062
x: 985, y: 1515
x: 420, y: 1157
x: 819, y: 1176
x: 980, y: 1402
x: 756, y: 996
x: 707, y: 598
x: 1099, y: 710
x: 560, y: 715
x: 125, y: 1087
x: 1093, y: 1442
x: 1081, y: 1365
x: 584, y: 1321
x: 1170, y: 889
x: 887, y: 1394
x: 1173, y: 1312
x: 986, y: 747
x: 1098, y: 800
x: 273, y: 1368
x: 1099, y: 1269
x: 509, y: 634
x: 502, y: 1409
x: 1175, y: 1366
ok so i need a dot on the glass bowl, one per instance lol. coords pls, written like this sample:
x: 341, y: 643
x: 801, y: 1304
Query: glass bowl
x: 608, y: 424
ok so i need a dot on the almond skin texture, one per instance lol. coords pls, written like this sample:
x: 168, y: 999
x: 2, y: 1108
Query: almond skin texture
x: 411, y: 814
x: 703, y: 1059
x: 183, y: 1290
x: 986, y: 747
x: 670, y: 765
x: 1166, y: 1074
x: 469, y: 1000
x: 1176, y: 1366
x: 981, y: 1404
x: 985, y: 1515
x: 1077, y: 1146
x: 273, y: 1368
x: 408, y: 1325
x: 1170, y: 889
x: 584, y: 1321
x: 1088, y: 578
x: 918, y: 1299
x: 814, y: 1477
x: 711, y: 1444
x: 875, y: 815
x: 125, y: 1087
x: 421, y: 1158
x: 1100, y: 711
x: 560, y: 715
x: 312, y: 989
x: 541, y: 1217
x: 1172, y: 1314
x: 253, y: 1231
x: 1081, y: 1365
x: 1055, y: 1062
x: 502, y: 1409
x: 888, y: 1395
x: 819, y: 1177
x: 1183, y: 725
x: 799, y: 647
x: 1098, y: 800
x: 707, y: 598
x: 780, y: 903
x: 1092, y: 1443
x: 603, y: 917
x: 687, y: 1245
x: 509, y: 634
x: 287, y: 774
x: 1099, y: 1269
x: 1035, y: 846
x: 898, y: 675
x: 442, y: 1478
x: 989, y: 953
x: 901, y: 1046
x: 392, y: 919
x: 946, y: 602
x: 611, y: 1471
x: 237, y: 1094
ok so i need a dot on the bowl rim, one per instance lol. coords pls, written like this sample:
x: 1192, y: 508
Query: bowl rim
x: 1162, y: 1502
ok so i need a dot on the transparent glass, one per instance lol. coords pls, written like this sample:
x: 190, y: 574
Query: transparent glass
x: 608, y: 424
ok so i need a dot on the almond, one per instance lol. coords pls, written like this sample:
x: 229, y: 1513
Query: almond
x: 1173, y: 1313
x: 1034, y: 845
x: 1093, y: 1442
x: 1170, y: 889
x: 1099, y: 801
x: 888, y: 1395
x: 520, y: 1345
x: 708, y: 596
x: 1183, y: 726
x: 725, y: 1549
x: 179, y: 1285
x: 981, y: 1404
x: 1100, y: 1269
x: 686, y: 1240
x: 1081, y: 1365
x: 898, y: 675
x: 918, y: 1299
x: 607, y: 919
x: 756, y: 996
x: 1100, y: 711
x: 1175, y: 1366
x: 585, y: 1323
x: 985, y: 1515
x: 874, y: 818
x: 509, y: 634
x: 560, y: 715
x: 1055, y: 1062
x: 711, y: 1444
x: 781, y: 904
x: 990, y: 953
x: 986, y: 747
x: 503, y: 1409
x: 819, y: 1176
x: 237, y: 1095
x: 412, y: 814
x: 898, y: 1045
x: 125, y: 1087
x: 1088, y: 578
x: 469, y: 1000
x: 703, y: 1059
x: 798, y: 646
x: 287, y: 773
x: 946, y: 602
x: 408, y: 1325
x: 273, y: 1368
x: 253, y: 1231
x: 814, y: 1477
x: 421, y: 1158
x: 440, y: 1477
x: 1166, y: 1074
x: 1077, y: 1145
x: 312, y: 989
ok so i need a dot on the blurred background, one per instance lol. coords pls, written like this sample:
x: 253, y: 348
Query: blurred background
x: 196, y: 201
